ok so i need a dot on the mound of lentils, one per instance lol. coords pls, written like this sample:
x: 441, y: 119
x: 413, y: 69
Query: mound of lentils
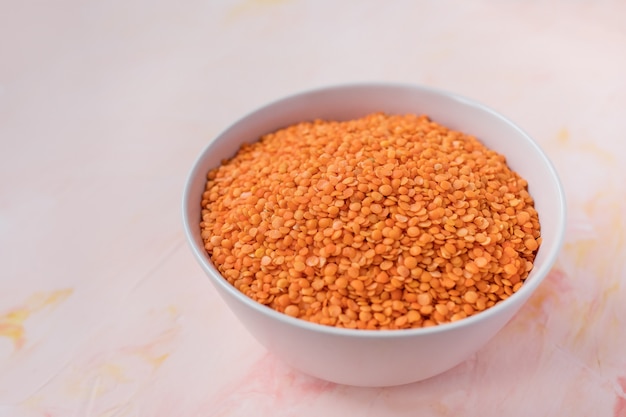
x: 383, y: 222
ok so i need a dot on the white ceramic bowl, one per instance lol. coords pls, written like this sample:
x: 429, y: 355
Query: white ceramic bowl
x: 381, y: 357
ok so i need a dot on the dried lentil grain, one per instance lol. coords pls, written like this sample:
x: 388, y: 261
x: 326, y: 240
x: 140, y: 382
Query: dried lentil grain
x: 382, y: 222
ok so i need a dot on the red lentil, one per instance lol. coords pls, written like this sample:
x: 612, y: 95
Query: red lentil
x: 383, y: 222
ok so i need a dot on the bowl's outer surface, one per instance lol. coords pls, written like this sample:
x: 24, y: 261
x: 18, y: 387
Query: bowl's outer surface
x: 381, y: 358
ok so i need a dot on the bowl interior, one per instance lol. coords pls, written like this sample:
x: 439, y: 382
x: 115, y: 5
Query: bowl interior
x: 353, y: 101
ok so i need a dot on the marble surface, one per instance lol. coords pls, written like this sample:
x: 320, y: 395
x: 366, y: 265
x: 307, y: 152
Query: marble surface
x: 105, y: 105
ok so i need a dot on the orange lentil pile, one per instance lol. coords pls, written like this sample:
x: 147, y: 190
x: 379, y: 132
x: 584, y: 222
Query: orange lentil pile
x: 383, y: 222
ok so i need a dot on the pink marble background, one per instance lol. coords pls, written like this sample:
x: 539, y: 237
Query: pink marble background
x: 105, y: 105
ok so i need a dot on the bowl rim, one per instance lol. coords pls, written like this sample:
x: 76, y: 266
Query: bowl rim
x: 525, y: 290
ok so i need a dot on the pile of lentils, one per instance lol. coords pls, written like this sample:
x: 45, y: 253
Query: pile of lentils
x: 383, y: 222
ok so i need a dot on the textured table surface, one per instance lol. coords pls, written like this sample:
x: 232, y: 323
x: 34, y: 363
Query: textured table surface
x: 105, y: 105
